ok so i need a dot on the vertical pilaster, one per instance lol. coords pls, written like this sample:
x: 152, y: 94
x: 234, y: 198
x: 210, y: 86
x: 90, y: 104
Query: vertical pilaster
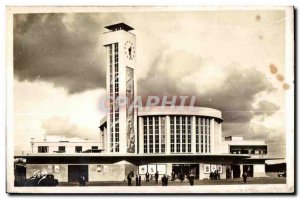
x: 168, y: 134
x: 141, y: 135
x: 212, y: 136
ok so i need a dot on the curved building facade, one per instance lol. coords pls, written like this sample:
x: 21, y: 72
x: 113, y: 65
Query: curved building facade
x: 166, y: 131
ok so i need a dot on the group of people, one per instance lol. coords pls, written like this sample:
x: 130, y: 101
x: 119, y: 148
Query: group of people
x: 156, y: 175
x: 190, y: 177
x: 214, y: 175
x: 164, y: 179
x: 138, y: 179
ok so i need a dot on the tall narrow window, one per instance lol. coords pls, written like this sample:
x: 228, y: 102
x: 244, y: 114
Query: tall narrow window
x: 197, y: 135
x: 163, y: 135
x: 150, y: 135
x: 172, y: 132
x: 156, y: 140
x: 145, y: 135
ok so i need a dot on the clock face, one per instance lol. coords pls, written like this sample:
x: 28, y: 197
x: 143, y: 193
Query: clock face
x: 129, y: 50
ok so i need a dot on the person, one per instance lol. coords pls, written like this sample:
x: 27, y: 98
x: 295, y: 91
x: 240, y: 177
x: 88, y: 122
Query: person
x: 192, y: 178
x: 167, y: 179
x: 83, y: 181
x: 129, y: 179
x: 147, y: 177
x: 140, y: 180
x: 211, y: 175
x: 218, y: 175
x: 244, y: 177
x: 156, y: 177
x: 215, y: 174
x: 181, y: 178
x: 173, y: 176
x: 164, y: 181
x: 136, y: 180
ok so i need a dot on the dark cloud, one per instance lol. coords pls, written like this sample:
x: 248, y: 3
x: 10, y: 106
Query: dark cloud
x: 57, y: 126
x: 266, y: 108
x: 64, y: 49
x: 235, y: 97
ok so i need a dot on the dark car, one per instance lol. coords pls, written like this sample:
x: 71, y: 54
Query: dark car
x: 46, y: 180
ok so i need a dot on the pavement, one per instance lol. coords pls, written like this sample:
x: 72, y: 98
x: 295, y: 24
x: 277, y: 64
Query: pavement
x: 260, y: 180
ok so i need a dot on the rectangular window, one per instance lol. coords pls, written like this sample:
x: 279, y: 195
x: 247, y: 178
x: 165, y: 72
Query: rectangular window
x: 145, y: 135
x: 150, y: 148
x: 43, y: 149
x: 78, y: 149
x: 172, y: 148
x: 61, y: 149
x: 177, y: 148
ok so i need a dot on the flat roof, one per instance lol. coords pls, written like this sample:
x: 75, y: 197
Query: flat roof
x: 137, y: 159
x: 122, y: 26
x: 128, y: 155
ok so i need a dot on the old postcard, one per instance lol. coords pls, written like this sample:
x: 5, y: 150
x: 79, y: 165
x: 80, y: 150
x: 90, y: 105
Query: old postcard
x: 150, y: 100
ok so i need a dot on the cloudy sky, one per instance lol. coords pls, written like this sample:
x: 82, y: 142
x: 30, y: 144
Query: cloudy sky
x: 224, y: 58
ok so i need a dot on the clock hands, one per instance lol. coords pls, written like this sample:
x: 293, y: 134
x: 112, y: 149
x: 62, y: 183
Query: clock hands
x: 129, y: 51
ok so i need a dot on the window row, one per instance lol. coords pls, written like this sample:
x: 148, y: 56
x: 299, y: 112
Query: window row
x: 62, y: 149
x: 203, y: 135
x: 154, y: 134
x: 180, y: 134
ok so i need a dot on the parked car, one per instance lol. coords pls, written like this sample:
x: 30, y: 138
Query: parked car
x: 46, y: 180
x: 282, y: 174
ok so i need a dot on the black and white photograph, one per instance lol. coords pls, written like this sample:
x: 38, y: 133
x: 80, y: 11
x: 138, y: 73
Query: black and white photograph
x: 150, y: 100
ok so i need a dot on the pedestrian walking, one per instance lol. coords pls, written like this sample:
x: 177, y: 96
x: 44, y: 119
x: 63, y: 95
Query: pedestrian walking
x: 136, y: 180
x: 211, y: 175
x: 156, y: 177
x: 192, y: 178
x: 173, y: 176
x: 245, y: 175
x: 140, y: 180
x: 81, y: 180
x: 129, y: 179
x: 181, y: 177
x: 218, y: 175
x: 147, y: 177
x: 164, y: 181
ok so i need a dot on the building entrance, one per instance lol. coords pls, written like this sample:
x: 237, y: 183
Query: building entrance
x: 182, y: 170
x: 76, y: 171
x: 236, y: 171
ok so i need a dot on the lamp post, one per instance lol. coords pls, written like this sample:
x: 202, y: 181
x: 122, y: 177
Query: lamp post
x: 32, y: 143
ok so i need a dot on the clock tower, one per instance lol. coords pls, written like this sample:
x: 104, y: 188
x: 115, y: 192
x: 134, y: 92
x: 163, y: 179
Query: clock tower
x: 120, y: 46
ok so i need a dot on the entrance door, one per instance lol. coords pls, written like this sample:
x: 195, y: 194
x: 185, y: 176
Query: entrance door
x: 75, y: 171
x: 248, y: 169
x: 236, y: 171
x: 228, y: 172
x: 185, y: 169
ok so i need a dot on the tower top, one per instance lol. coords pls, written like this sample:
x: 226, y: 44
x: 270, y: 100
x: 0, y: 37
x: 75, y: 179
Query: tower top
x: 119, y: 26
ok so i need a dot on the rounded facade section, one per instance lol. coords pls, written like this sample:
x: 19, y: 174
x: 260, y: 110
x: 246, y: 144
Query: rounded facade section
x: 179, y: 130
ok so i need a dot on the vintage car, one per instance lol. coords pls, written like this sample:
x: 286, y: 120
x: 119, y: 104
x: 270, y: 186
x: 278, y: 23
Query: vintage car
x: 44, y: 180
